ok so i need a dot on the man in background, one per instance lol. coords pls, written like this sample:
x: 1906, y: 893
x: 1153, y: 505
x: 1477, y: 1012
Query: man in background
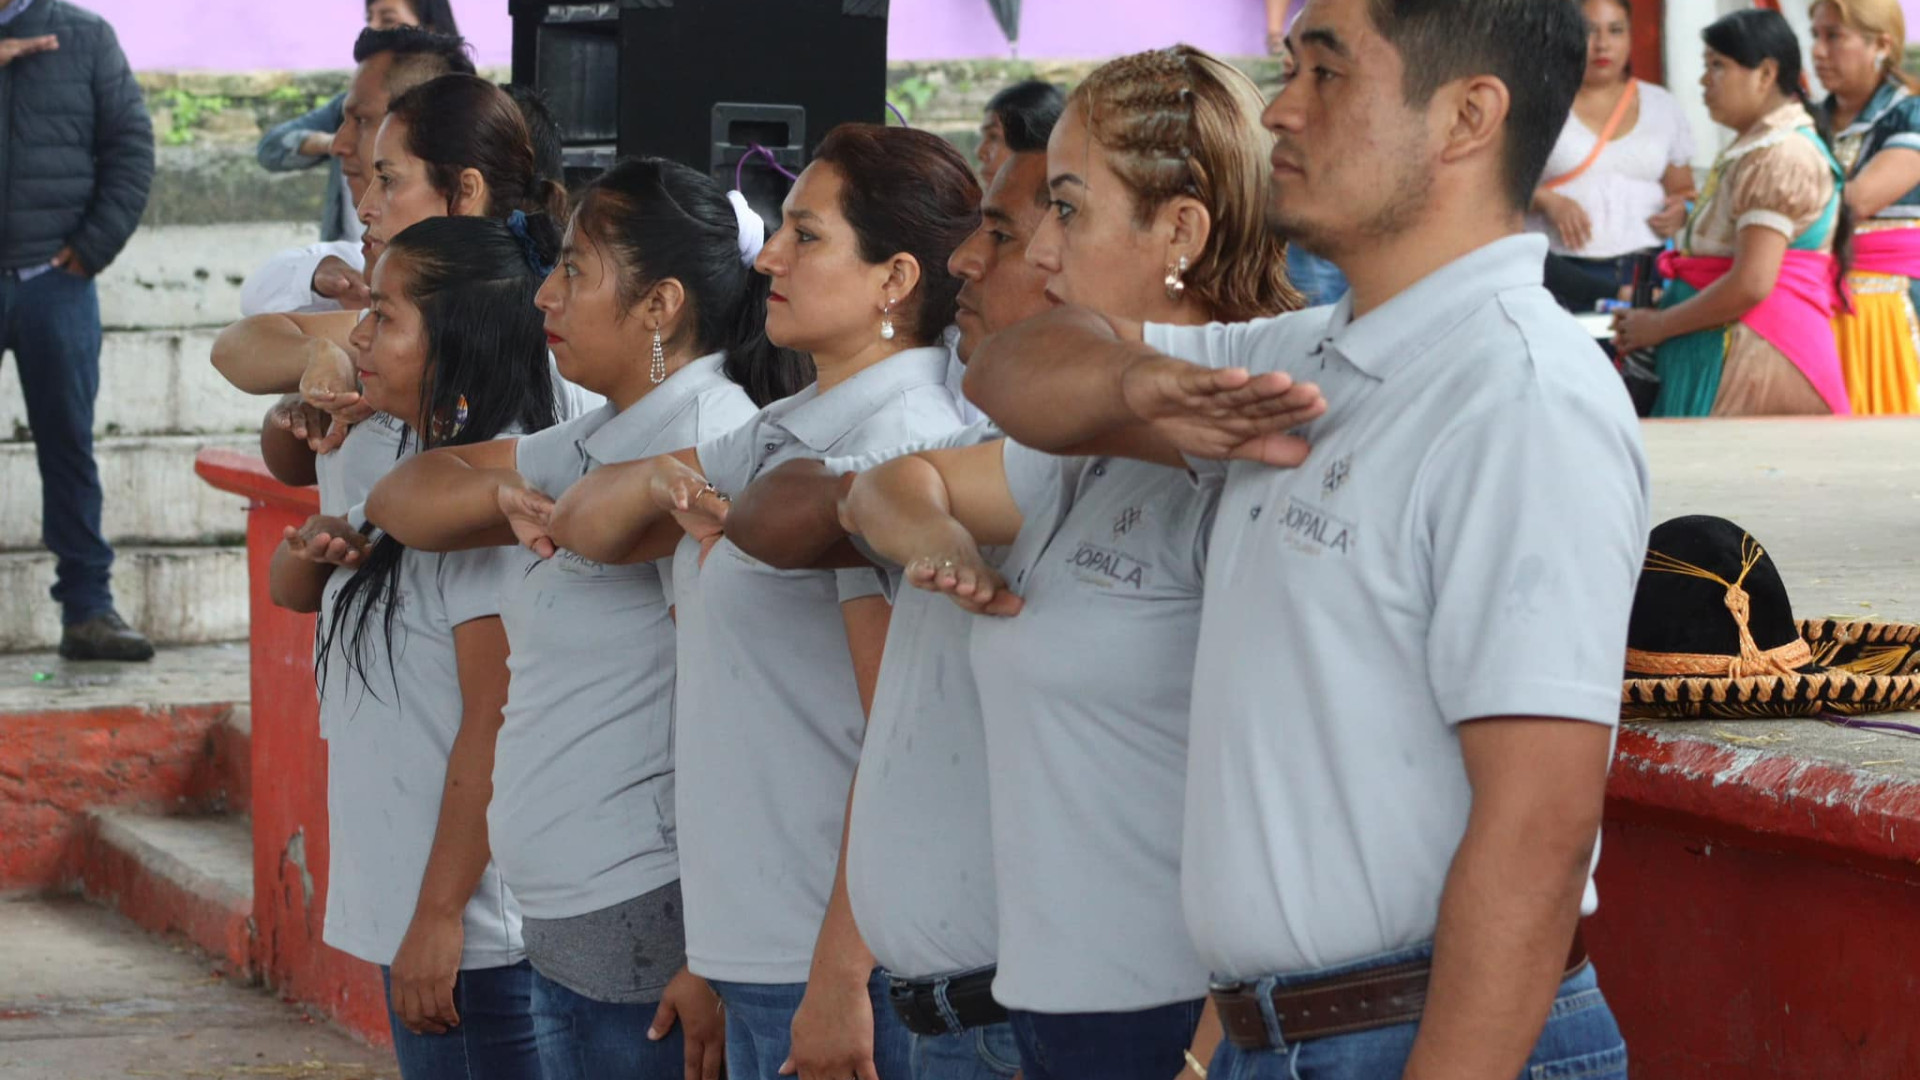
x: 76, y: 163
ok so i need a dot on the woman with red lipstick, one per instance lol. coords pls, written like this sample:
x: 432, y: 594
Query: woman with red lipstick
x: 776, y: 667
x: 1159, y: 171
x: 411, y: 663
x: 1619, y: 178
x: 654, y: 304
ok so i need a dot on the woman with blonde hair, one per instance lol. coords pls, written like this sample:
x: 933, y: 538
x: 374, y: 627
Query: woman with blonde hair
x: 1158, y: 173
x: 1871, y: 104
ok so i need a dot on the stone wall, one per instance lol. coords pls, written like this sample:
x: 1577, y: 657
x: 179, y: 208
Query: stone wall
x: 207, y: 126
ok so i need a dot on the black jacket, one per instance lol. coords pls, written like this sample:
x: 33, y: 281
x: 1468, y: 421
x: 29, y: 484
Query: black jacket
x: 76, y: 146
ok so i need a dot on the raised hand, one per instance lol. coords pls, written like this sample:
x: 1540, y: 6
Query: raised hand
x: 1208, y: 413
x: 530, y: 513
x: 12, y: 49
x: 966, y: 579
x: 305, y: 422
x: 325, y: 539
x: 341, y: 283
x: 330, y: 383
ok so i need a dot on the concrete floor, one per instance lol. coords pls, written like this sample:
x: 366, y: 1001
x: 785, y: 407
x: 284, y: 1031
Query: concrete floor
x: 86, y: 995
x: 177, y: 675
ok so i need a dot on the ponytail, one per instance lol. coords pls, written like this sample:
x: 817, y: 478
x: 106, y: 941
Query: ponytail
x: 1843, y: 222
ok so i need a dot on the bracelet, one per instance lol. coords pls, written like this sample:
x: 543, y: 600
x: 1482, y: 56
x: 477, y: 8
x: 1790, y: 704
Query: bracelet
x: 716, y: 493
x: 1193, y: 1063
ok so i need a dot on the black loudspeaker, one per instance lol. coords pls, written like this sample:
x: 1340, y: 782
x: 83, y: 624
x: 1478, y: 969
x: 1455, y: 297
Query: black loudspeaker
x: 733, y: 87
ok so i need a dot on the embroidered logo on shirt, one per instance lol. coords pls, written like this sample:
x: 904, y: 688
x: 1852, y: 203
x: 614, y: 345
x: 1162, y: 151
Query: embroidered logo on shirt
x: 1108, y: 568
x: 1128, y: 518
x: 1312, y: 530
x: 1337, y: 474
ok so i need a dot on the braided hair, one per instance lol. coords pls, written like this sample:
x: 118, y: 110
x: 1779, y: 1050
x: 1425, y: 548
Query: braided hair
x: 1180, y: 121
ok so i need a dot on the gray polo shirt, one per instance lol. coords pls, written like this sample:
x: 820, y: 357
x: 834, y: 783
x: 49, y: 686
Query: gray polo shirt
x: 769, y: 725
x: 1463, y: 542
x: 1086, y: 701
x: 582, y: 811
x: 920, y: 847
x: 388, y: 739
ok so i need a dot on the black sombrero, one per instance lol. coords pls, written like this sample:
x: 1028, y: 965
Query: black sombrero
x: 1713, y: 637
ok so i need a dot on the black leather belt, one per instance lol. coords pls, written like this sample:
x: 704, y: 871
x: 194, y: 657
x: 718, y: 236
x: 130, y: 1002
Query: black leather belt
x: 945, y: 1006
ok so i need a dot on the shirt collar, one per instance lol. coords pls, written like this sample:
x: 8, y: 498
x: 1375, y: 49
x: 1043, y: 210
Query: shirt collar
x: 1382, y: 341
x: 1889, y: 95
x: 624, y: 436
x: 14, y: 11
x: 822, y: 420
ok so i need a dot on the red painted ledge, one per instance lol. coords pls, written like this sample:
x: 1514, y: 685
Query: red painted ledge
x: 1770, y: 800
x: 245, y: 474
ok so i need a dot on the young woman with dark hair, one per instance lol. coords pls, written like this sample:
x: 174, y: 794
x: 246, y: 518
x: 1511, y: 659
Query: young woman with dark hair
x: 654, y: 304
x: 457, y: 145
x: 776, y: 667
x: 411, y: 662
x: 1745, y: 329
x: 1159, y: 171
x: 435, y: 16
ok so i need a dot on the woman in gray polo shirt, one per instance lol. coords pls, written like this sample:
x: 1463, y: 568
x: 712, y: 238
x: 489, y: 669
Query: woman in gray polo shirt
x: 411, y: 662
x: 582, y: 815
x: 1157, y: 170
x: 777, y: 667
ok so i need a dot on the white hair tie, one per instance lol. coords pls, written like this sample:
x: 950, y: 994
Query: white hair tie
x: 753, y: 228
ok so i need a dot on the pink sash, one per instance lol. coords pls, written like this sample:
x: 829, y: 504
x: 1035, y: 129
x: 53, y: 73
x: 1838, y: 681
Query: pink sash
x: 1888, y: 251
x: 1796, y: 317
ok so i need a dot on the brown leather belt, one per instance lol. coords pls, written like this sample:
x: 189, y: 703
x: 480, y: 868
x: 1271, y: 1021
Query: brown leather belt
x: 1341, y: 1004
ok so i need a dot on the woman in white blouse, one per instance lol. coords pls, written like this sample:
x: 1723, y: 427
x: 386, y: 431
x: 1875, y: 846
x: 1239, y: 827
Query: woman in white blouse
x: 1618, y: 180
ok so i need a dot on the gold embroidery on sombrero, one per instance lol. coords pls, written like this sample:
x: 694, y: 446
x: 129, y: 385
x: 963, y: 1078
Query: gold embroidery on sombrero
x: 1752, y: 659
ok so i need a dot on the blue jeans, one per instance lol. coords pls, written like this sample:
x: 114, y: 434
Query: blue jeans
x: 984, y: 1053
x: 760, y: 1029
x: 1318, y: 280
x: 494, y: 1040
x: 1580, y: 1042
x: 1150, y: 1044
x: 52, y: 325
x: 584, y: 1039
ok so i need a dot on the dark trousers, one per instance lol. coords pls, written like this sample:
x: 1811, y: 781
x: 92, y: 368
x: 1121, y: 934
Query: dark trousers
x: 1149, y: 1044
x: 51, y: 324
x: 495, y: 1039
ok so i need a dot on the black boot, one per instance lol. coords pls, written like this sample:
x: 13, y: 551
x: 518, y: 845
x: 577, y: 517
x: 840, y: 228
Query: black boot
x: 106, y: 636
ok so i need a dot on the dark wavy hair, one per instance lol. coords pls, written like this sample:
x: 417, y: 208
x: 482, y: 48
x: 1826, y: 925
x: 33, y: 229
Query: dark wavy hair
x: 1027, y: 112
x: 434, y: 15
x: 486, y: 346
x: 460, y: 122
x: 1751, y: 38
x: 660, y: 219
x: 907, y: 191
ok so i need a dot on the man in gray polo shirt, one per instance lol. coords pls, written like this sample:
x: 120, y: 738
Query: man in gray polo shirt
x: 1411, y: 643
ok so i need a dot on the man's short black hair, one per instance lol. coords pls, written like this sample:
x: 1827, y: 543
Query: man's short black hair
x: 418, y: 55
x: 1027, y: 112
x: 1538, y: 48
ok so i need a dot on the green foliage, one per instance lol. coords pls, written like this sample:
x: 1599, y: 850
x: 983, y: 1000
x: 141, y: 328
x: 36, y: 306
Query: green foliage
x: 911, y: 94
x: 189, y: 112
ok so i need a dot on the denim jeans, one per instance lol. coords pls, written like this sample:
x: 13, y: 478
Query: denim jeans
x: 51, y: 324
x: 760, y: 1029
x: 983, y: 1053
x: 494, y: 1040
x: 1318, y: 280
x: 584, y: 1039
x: 1150, y: 1044
x: 1580, y: 1042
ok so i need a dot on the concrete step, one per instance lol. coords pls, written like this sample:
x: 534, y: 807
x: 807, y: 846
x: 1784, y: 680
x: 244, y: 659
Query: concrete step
x: 191, y: 876
x: 175, y: 595
x: 152, y: 382
x: 172, y: 736
x: 190, y: 275
x: 152, y: 494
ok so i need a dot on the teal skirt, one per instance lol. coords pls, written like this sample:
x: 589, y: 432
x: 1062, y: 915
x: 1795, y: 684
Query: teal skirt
x: 1689, y: 365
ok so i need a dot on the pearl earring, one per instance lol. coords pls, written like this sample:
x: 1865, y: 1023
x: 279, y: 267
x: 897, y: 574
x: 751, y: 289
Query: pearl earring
x: 886, y: 323
x: 658, y: 373
x: 1176, y: 283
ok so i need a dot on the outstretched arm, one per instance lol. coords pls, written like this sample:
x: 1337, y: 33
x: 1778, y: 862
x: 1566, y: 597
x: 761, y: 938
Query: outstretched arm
x: 790, y: 518
x: 624, y: 513
x: 449, y: 499
x: 272, y: 354
x: 931, y: 512
x: 1072, y: 381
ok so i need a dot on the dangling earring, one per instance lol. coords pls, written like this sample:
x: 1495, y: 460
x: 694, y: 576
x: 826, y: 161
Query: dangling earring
x: 1176, y: 285
x: 658, y: 373
x: 886, y: 322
